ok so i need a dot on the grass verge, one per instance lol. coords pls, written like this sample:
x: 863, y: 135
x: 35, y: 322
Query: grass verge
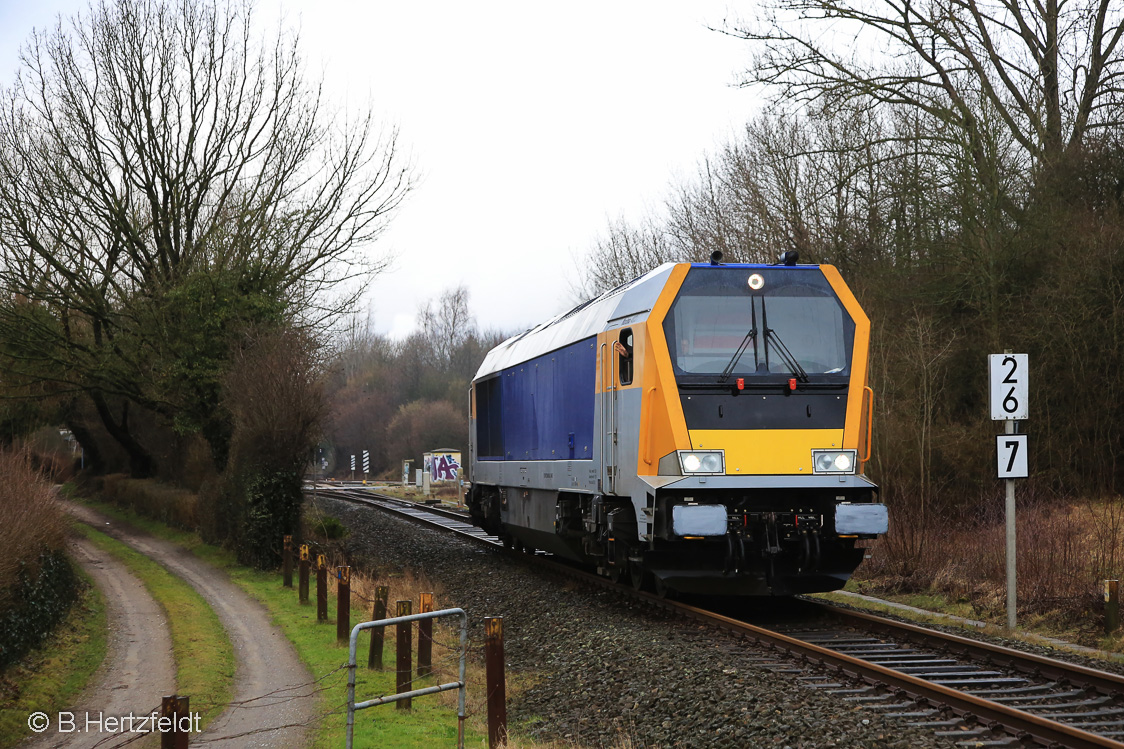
x: 50, y: 676
x: 203, y: 654
x: 432, y: 721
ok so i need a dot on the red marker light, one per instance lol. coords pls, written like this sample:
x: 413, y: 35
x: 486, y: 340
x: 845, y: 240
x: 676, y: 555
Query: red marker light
x: 791, y: 383
x: 741, y: 383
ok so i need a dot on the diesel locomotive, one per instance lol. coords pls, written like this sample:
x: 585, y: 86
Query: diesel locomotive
x: 702, y: 428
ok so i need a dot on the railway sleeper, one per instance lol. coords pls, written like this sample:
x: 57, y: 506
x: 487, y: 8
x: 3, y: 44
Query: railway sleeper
x: 1020, y: 699
x: 957, y: 683
x: 1012, y: 691
x: 894, y: 706
x: 945, y: 723
x: 1094, y: 702
x: 868, y: 698
x: 1077, y: 716
x: 913, y: 714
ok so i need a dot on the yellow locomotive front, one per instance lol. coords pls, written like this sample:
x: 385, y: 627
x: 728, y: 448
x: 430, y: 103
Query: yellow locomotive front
x: 753, y: 431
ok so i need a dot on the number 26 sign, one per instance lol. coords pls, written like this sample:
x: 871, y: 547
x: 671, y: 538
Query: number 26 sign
x: 1008, y: 375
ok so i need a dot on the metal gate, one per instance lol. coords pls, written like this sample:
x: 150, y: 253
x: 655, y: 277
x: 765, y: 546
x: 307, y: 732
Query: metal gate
x: 459, y: 685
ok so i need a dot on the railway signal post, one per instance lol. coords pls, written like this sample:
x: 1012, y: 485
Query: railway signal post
x: 1008, y: 377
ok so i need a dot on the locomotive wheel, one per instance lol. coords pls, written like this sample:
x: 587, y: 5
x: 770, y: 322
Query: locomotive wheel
x: 508, y: 541
x: 618, y: 572
x: 661, y: 588
x: 641, y: 578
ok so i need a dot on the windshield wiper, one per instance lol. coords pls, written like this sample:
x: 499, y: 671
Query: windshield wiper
x: 786, y: 355
x: 749, y: 336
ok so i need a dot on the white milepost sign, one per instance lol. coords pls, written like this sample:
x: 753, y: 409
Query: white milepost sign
x: 1010, y: 452
x: 1008, y: 375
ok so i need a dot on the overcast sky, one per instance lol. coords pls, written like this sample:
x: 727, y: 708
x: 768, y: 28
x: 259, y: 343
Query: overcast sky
x: 531, y: 125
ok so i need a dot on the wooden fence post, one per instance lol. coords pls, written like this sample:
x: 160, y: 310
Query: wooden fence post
x: 405, y: 648
x: 321, y: 588
x: 302, y: 591
x: 374, y: 657
x: 287, y: 562
x: 425, y: 636
x: 496, y: 684
x: 175, y: 708
x: 343, y: 604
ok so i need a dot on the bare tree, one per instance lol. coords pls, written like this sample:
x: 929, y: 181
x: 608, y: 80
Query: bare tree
x: 446, y: 322
x: 624, y: 252
x: 145, y: 142
x: 1045, y: 73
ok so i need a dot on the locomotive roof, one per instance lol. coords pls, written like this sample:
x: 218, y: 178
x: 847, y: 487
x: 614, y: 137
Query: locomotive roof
x: 633, y: 299
x: 626, y: 304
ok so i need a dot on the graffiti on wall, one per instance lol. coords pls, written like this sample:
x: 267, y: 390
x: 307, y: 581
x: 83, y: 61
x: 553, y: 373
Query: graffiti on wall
x: 442, y: 466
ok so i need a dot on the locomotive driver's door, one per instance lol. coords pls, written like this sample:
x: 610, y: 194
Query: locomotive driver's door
x: 608, y: 426
x: 616, y: 370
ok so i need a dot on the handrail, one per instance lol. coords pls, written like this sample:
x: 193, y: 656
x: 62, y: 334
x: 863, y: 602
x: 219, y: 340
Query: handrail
x: 647, y: 428
x: 869, y: 424
x: 601, y: 375
x: 614, y: 378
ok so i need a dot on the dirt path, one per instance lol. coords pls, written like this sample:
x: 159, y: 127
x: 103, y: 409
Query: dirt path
x: 274, y: 700
x: 138, y: 668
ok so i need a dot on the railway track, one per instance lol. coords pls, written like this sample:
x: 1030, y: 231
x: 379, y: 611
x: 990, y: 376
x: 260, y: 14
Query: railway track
x: 972, y: 692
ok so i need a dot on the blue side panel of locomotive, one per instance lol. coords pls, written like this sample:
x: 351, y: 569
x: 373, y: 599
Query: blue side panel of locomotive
x: 543, y: 408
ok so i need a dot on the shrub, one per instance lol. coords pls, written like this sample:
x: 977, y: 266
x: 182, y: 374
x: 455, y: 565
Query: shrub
x: 38, y: 584
x: 275, y: 397
x: 168, y: 504
x: 41, y: 596
x: 1065, y: 551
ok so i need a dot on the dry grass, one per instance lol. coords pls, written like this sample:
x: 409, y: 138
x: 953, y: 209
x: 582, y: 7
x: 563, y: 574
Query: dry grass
x: 1066, y: 549
x: 31, y: 519
x: 176, y: 507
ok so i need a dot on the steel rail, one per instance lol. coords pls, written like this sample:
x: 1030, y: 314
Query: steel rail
x: 1021, y: 724
x: 1102, y: 681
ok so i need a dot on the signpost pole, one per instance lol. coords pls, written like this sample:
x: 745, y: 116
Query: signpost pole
x: 1008, y: 374
x: 1009, y: 428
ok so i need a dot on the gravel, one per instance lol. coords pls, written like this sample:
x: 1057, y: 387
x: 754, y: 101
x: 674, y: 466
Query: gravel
x: 609, y: 672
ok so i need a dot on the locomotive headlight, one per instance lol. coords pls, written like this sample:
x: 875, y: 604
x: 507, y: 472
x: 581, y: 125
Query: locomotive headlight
x: 833, y: 461
x: 702, y: 461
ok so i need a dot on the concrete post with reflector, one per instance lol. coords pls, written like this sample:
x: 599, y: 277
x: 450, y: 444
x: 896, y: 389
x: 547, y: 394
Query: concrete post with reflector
x: 1111, y: 606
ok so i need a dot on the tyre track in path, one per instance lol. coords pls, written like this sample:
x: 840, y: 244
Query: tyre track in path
x: 138, y: 668
x: 274, y: 701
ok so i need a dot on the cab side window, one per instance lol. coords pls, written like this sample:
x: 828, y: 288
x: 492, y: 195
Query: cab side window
x: 624, y: 355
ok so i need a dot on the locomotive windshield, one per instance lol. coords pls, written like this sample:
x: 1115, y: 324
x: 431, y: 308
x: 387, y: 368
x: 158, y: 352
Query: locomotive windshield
x: 739, y: 321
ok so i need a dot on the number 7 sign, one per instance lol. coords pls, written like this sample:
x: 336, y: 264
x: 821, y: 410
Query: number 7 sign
x: 1010, y: 456
x: 1009, y: 377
